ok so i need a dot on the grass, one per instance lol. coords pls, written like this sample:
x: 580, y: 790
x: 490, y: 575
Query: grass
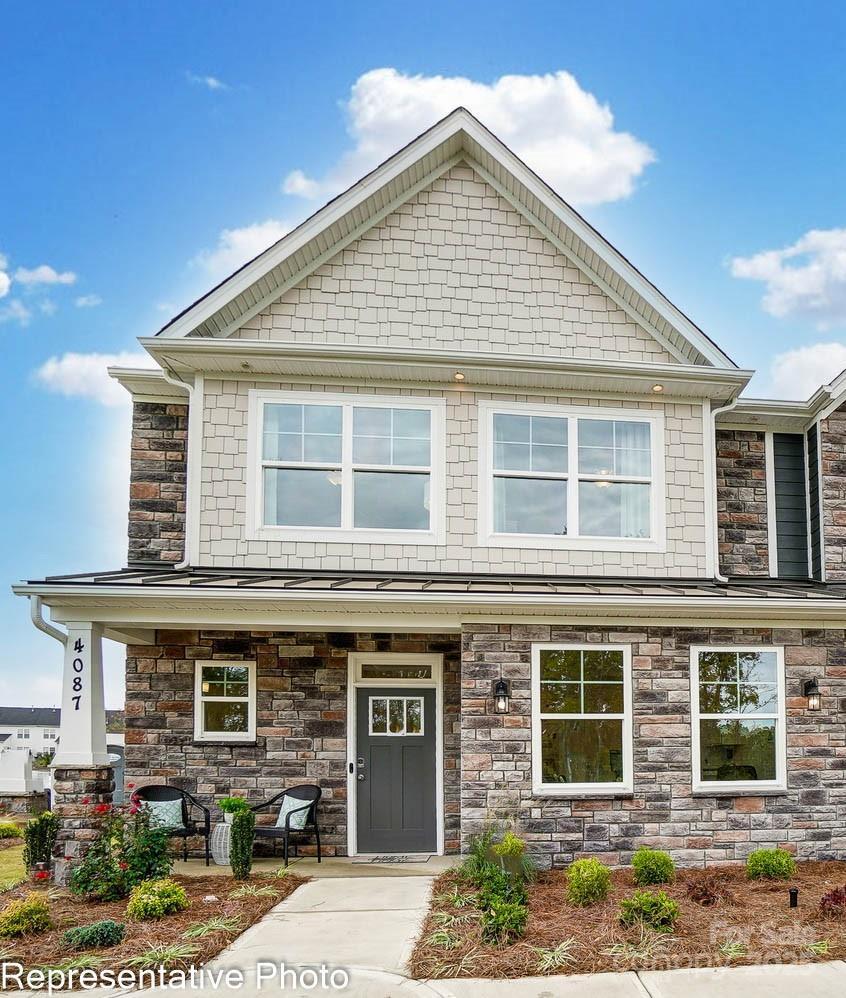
x: 12, y: 870
x: 550, y: 960
x: 162, y: 956
x: 220, y: 923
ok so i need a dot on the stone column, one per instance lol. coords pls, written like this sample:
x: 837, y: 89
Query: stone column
x: 75, y: 793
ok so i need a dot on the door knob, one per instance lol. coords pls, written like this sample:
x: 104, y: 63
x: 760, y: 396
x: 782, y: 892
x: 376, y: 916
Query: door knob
x: 361, y: 776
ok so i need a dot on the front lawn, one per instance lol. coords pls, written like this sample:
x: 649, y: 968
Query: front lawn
x: 11, y: 863
x: 219, y: 909
x: 725, y: 919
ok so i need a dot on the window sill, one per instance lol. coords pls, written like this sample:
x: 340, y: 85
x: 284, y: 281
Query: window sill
x: 739, y: 792
x: 338, y: 535
x: 224, y: 741
x: 600, y: 793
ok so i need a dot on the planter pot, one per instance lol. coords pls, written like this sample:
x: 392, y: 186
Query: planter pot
x: 228, y: 816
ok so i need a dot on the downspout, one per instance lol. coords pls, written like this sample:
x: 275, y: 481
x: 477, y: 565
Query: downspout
x: 173, y: 379
x: 712, y: 447
x: 37, y: 615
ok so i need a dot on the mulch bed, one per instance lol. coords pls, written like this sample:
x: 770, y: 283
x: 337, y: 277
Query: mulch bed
x: 754, y: 914
x: 67, y: 911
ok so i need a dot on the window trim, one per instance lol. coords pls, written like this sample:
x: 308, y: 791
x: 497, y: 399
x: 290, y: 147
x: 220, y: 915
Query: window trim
x: 224, y: 736
x: 387, y: 697
x: 541, y: 789
x: 726, y: 788
x: 256, y: 529
x: 487, y: 537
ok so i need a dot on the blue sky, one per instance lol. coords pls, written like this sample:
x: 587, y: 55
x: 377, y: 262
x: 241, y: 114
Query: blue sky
x: 147, y: 148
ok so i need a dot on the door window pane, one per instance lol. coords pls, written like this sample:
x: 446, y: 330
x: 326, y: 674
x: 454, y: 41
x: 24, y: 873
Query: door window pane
x: 396, y: 715
x: 299, y: 497
x: 391, y: 500
x: 582, y: 751
x: 378, y: 716
x: 376, y: 670
x: 614, y: 509
x: 737, y: 750
x: 530, y: 506
x: 413, y: 716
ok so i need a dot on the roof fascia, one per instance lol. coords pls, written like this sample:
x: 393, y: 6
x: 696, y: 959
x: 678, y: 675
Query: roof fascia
x: 145, y: 385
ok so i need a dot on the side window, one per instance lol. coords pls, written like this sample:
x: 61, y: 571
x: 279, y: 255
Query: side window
x: 225, y: 702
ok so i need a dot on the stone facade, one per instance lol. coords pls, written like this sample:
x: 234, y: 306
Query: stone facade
x: 301, y: 718
x: 833, y: 466
x: 75, y: 793
x: 742, y: 502
x: 810, y: 818
x: 157, y: 480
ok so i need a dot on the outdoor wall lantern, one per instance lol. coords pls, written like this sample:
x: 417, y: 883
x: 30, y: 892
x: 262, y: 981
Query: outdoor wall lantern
x: 501, y: 696
x: 811, y: 689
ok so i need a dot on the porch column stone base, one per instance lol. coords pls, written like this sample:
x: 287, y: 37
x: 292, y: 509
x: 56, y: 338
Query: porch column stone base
x: 71, y: 786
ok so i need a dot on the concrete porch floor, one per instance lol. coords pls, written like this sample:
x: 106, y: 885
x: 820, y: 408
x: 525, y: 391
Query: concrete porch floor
x: 331, y: 867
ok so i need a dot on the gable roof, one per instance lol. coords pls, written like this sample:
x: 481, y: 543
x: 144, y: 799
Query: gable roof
x: 457, y: 137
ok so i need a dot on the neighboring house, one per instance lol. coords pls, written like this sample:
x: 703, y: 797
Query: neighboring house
x: 37, y: 728
x: 440, y: 504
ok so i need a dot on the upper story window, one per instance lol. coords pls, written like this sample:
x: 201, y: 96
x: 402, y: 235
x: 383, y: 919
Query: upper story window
x: 738, y: 718
x: 346, y: 467
x: 23, y: 734
x: 590, y: 478
x: 49, y: 735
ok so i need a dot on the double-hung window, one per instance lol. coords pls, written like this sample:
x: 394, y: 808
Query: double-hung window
x: 581, y: 719
x: 345, y: 467
x: 571, y: 477
x: 738, y: 718
x: 225, y: 701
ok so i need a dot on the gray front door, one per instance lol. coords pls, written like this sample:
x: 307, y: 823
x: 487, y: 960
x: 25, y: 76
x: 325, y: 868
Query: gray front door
x: 395, y: 765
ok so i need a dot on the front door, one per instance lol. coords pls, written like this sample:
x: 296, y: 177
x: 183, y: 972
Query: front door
x: 395, y: 770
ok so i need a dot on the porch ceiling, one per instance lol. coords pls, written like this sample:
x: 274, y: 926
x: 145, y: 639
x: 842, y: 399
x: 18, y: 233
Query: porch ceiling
x: 132, y: 599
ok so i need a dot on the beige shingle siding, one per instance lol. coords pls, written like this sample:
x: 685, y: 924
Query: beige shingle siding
x: 456, y: 267
x: 223, y: 540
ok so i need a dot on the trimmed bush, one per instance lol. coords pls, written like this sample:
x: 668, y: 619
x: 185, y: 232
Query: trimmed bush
x: 652, y: 866
x: 770, y: 864
x: 241, y: 844
x: 650, y: 908
x: 95, y: 936
x: 27, y: 916
x: 9, y: 830
x: 496, y: 885
x: 504, y: 921
x: 39, y: 838
x: 232, y: 805
x: 588, y: 881
x: 155, y: 899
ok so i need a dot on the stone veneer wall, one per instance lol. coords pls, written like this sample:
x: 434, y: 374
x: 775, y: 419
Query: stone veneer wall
x: 301, y: 720
x: 158, y: 465
x: 833, y: 466
x: 496, y: 752
x: 742, y: 502
x: 75, y: 793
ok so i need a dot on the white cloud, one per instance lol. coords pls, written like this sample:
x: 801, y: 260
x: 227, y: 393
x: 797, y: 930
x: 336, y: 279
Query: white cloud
x: 43, y: 275
x: 797, y: 374
x: 47, y: 307
x: 806, y: 279
x: 562, y: 131
x: 209, y: 82
x: 5, y: 280
x: 237, y: 246
x: 84, y: 375
x: 88, y: 301
x: 15, y: 311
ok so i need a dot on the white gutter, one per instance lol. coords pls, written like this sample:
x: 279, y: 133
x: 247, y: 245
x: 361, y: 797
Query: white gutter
x: 37, y: 615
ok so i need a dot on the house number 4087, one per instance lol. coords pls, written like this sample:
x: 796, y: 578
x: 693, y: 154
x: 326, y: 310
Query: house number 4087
x: 78, y: 668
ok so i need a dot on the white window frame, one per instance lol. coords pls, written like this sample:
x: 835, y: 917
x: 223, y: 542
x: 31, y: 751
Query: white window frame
x: 257, y: 529
x: 396, y: 734
x: 23, y: 734
x: 200, y: 735
x: 488, y: 537
x: 725, y: 788
x: 541, y: 789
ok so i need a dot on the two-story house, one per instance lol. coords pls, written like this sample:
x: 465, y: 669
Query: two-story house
x: 438, y: 503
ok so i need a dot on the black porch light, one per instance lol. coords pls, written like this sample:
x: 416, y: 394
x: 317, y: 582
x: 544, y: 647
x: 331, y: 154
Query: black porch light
x: 501, y: 696
x: 811, y: 690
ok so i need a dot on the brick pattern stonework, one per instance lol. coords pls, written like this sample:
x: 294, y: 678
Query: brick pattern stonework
x: 157, y: 482
x: 810, y: 818
x: 75, y: 792
x: 742, y: 502
x: 833, y: 466
x: 301, y: 718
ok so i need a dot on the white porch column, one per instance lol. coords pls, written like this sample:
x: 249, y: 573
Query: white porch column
x: 82, y: 733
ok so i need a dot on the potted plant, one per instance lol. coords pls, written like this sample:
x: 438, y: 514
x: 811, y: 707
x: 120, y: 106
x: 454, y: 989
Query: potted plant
x: 231, y: 806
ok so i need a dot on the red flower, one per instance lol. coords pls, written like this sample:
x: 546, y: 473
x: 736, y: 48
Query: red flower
x: 123, y: 866
x: 134, y: 809
x: 102, y: 808
x: 130, y: 786
x: 41, y: 875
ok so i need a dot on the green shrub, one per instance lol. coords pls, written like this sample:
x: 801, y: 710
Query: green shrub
x: 588, y: 881
x: 650, y: 908
x: 9, y: 830
x: 504, y: 921
x: 155, y: 899
x: 94, y: 936
x: 509, y: 845
x: 652, y: 866
x: 770, y: 864
x: 232, y: 805
x: 39, y: 838
x: 496, y: 885
x: 241, y: 844
x: 478, y: 860
x: 26, y: 916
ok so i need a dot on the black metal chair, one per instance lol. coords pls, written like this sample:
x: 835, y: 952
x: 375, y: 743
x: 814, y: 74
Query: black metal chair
x: 310, y: 795
x: 191, y: 825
